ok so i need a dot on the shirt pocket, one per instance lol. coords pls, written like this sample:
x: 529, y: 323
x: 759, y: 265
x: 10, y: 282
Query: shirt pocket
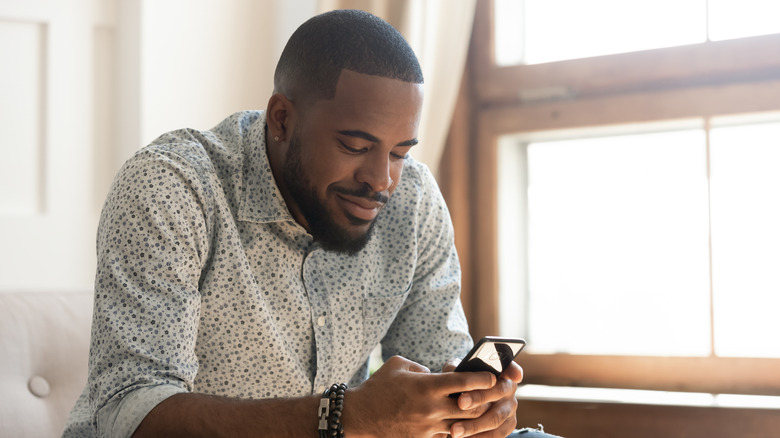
x: 379, y: 312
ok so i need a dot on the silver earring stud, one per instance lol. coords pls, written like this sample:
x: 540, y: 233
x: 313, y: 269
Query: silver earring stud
x: 276, y: 138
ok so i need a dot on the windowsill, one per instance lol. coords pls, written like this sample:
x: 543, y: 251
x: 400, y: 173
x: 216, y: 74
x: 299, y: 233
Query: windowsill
x: 645, y: 397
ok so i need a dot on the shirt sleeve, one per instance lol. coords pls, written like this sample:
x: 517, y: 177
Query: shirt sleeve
x: 431, y: 327
x: 120, y: 417
x: 152, y: 244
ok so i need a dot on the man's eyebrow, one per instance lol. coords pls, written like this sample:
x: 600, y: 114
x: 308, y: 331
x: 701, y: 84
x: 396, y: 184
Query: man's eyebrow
x: 366, y: 136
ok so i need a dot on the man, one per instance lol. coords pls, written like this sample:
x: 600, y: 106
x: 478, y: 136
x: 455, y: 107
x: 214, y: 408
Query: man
x: 244, y: 270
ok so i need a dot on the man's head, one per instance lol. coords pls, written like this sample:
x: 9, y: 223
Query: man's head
x: 323, y: 46
x: 344, y: 114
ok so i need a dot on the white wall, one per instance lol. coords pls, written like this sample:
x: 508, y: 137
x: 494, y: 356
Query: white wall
x: 219, y: 59
x: 85, y: 83
x: 200, y: 60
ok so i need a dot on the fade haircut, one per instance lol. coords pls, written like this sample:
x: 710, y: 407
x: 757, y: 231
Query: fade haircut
x: 320, y: 48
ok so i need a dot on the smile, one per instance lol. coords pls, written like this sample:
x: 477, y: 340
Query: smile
x: 360, y: 208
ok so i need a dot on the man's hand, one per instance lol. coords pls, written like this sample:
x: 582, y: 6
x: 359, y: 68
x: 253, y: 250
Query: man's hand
x: 498, y: 403
x: 404, y: 399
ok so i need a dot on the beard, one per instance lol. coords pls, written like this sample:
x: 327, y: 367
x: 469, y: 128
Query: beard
x: 329, y: 234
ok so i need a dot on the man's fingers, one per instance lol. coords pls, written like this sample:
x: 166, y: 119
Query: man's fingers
x: 450, y: 365
x: 513, y: 372
x: 466, y: 381
x: 498, y: 421
x: 503, y: 388
x: 406, y: 364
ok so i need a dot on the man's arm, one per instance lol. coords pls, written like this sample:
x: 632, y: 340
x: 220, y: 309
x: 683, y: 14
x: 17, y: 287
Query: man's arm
x: 152, y: 244
x: 196, y: 415
x: 401, y: 399
x: 433, y: 318
x: 431, y: 327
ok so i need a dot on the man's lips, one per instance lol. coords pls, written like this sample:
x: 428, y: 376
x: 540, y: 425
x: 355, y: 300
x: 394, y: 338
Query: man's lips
x: 361, y: 208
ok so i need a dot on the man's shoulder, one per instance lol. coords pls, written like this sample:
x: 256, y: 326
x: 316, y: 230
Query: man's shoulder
x: 417, y: 198
x: 219, y: 149
x: 417, y: 179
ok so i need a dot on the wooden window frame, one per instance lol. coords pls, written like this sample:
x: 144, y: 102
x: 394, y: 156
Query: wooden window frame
x: 697, y: 81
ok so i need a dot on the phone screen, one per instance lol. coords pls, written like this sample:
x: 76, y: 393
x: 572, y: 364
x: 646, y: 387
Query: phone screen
x: 492, y: 354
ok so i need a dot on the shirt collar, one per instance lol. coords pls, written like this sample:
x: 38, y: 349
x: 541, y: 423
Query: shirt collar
x: 262, y: 200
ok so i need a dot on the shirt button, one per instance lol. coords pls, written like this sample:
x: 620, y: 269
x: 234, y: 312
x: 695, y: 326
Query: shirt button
x: 321, y: 322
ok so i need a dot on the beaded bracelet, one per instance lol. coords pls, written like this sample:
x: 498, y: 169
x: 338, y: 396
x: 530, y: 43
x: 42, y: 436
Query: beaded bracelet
x: 331, y: 406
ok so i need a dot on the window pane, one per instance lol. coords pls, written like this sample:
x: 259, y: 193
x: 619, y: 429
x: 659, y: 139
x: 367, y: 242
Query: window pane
x: 743, y: 18
x: 536, y: 31
x: 509, y: 24
x: 745, y: 181
x: 618, y: 245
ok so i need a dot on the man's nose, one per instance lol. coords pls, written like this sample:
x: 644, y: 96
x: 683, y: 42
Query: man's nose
x: 375, y: 171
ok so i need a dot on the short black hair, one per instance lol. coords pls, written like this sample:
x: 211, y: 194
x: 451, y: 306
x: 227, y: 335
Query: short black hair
x: 320, y: 48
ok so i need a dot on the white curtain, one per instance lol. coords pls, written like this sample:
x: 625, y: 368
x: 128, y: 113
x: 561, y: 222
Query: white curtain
x: 439, y: 31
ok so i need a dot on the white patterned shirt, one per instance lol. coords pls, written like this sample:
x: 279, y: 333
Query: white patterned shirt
x: 206, y: 283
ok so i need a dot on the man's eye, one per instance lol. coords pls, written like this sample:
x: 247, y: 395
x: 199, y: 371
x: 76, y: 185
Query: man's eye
x: 398, y: 156
x: 351, y: 149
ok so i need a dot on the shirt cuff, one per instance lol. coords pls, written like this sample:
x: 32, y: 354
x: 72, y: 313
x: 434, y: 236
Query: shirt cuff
x: 120, y: 417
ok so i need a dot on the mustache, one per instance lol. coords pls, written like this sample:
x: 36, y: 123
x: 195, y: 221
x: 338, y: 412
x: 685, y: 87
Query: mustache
x: 363, y: 192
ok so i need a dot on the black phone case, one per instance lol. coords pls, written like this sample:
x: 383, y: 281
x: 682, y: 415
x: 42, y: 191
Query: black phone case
x: 505, y: 353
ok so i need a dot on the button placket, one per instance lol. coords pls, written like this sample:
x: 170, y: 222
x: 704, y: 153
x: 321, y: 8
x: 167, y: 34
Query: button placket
x: 319, y: 314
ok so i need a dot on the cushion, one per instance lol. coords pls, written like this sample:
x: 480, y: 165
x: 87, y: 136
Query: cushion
x: 44, y: 347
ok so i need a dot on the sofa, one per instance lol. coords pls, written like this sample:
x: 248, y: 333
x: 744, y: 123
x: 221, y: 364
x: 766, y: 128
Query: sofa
x: 44, y: 347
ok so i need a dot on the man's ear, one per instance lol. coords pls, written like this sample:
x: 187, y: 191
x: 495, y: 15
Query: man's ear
x: 280, y: 117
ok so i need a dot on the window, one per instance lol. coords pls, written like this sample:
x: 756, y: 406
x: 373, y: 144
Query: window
x: 621, y: 230
x: 631, y: 187
x: 554, y: 30
x: 746, y: 239
x: 567, y: 29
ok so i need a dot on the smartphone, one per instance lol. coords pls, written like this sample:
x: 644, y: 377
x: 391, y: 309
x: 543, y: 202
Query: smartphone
x: 493, y: 354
